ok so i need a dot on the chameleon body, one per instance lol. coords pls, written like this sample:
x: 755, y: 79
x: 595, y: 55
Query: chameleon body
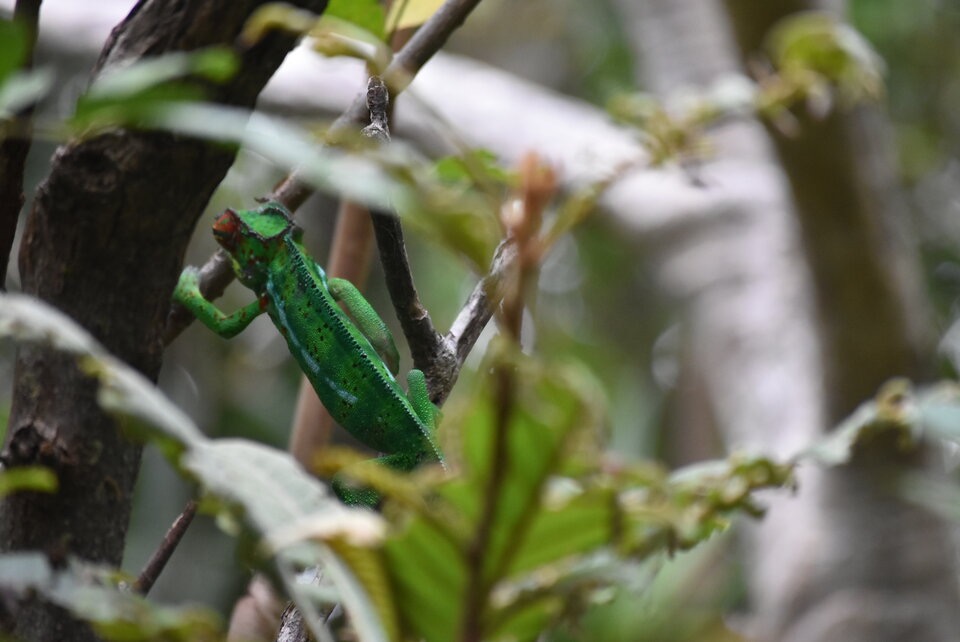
x: 349, y: 361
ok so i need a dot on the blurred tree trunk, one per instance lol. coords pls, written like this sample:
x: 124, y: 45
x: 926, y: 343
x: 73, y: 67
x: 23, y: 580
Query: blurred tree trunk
x: 888, y: 571
x: 105, y: 243
x: 845, y: 560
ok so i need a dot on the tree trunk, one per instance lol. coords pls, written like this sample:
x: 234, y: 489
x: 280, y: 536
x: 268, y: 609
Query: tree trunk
x: 105, y: 243
x: 885, y: 569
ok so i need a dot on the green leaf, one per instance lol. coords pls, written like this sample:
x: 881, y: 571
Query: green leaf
x: 411, y: 13
x: 28, y: 320
x: 118, y: 83
x: 329, y: 170
x: 477, y: 167
x: 366, y: 14
x: 348, y: 27
x: 127, y: 95
x: 23, y: 89
x: 940, y: 411
x: 428, y: 572
x: 95, y: 594
x: 266, y: 483
x: 31, y: 478
x: 13, y: 47
x: 428, y: 561
x: 277, y: 15
x: 263, y: 488
x: 894, y: 410
x: 126, y: 393
x: 577, y: 526
x: 817, y: 43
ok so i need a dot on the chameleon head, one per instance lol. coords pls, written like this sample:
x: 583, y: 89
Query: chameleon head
x: 252, y: 238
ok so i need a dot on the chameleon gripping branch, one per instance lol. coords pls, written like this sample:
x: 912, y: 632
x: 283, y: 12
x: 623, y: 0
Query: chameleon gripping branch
x: 293, y: 191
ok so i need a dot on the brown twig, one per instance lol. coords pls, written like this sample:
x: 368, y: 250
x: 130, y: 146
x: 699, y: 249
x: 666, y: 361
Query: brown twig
x: 15, y: 145
x: 158, y: 561
x: 426, y: 345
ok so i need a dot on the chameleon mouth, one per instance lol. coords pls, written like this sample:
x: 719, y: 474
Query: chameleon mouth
x: 225, y: 228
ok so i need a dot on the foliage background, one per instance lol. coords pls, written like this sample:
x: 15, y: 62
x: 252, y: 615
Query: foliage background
x: 599, y: 298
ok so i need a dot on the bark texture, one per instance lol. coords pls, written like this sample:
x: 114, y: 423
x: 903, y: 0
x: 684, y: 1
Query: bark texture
x: 104, y: 243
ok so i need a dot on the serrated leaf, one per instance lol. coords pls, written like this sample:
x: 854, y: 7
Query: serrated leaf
x: 411, y: 13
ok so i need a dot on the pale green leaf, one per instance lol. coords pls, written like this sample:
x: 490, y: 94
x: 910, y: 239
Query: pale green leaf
x: 266, y: 487
x: 23, y: 89
x: 95, y: 594
x: 28, y: 320
x: 366, y: 14
x: 411, y: 13
x: 119, y: 83
x: 127, y: 95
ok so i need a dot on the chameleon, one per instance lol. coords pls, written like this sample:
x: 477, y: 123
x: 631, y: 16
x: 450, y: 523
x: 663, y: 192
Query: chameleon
x: 350, y: 359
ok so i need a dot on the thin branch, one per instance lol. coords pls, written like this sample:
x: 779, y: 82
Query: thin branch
x: 293, y: 191
x: 160, y: 557
x: 16, y: 144
x: 426, y: 345
x: 477, y: 312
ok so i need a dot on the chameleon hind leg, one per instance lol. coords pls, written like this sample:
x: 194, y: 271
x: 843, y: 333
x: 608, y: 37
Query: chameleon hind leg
x: 429, y: 414
x: 419, y: 398
x: 353, y: 495
x: 367, y: 320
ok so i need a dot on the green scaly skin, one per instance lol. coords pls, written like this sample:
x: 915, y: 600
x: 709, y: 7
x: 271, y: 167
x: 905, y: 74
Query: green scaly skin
x: 351, y: 363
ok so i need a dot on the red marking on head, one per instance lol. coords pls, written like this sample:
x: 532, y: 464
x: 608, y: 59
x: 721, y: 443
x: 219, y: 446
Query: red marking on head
x: 225, y: 229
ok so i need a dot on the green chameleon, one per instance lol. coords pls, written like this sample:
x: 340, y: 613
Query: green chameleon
x: 351, y: 363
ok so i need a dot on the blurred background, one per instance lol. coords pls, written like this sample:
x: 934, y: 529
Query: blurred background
x: 689, y: 294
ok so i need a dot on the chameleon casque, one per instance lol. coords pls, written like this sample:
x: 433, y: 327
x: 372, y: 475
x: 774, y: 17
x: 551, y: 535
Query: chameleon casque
x: 350, y: 360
